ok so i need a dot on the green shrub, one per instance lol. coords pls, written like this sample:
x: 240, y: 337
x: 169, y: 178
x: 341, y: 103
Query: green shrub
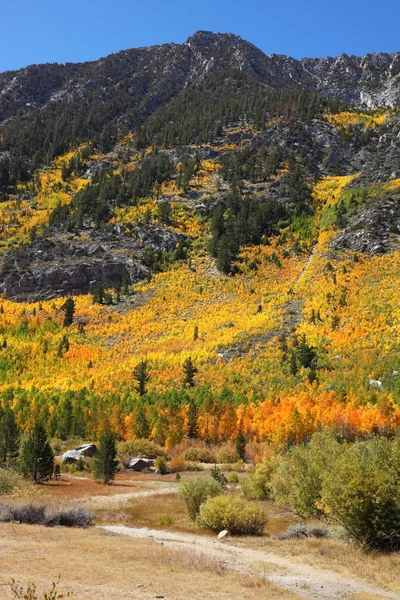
x: 139, y: 447
x: 196, y: 490
x: 161, y: 465
x: 227, y: 454
x: 204, y: 455
x: 193, y: 466
x: 297, y: 483
x: 234, y: 514
x: 233, y: 477
x: 362, y: 492
x: 166, y: 520
x: 258, y: 485
x: 10, y: 481
x: 238, y: 466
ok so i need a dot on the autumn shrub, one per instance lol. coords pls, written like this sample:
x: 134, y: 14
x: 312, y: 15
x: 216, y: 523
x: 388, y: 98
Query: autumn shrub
x: 227, y: 454
x: 257, y: 452
x: 238, y: 516
x: 297, y: 482
x: 361, y: 492
x: 139, y: 447
x: 177, y: 464
x: 197, y: 490
x: 10, y: 481
x: 201, y: 454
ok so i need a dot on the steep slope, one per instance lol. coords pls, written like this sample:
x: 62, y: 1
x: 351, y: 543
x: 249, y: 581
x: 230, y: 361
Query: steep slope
x: 202, y: 201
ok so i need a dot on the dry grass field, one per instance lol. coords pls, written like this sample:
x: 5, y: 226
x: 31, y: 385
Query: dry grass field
x: 95, y: 565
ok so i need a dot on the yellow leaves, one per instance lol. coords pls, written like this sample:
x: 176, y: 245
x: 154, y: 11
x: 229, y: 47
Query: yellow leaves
x: 344, y: 120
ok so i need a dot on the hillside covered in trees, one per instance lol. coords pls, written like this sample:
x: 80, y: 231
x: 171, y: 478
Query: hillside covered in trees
x: 200, y: 241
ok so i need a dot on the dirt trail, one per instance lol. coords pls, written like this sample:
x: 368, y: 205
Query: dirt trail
x: 303, y: 580
x: 103, y: 501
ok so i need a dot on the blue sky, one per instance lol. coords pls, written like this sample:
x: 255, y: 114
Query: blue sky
x: 78, y: 30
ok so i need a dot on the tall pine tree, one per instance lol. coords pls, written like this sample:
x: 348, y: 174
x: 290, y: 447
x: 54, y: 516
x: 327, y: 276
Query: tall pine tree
x: 142, y: 377
x: 37, y: 458
x: 104, y: 464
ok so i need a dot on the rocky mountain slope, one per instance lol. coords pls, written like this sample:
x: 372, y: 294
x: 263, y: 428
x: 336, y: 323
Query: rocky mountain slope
x: 153, y: 75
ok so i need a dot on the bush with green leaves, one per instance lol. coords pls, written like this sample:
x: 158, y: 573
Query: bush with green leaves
x: 258, y: 485
x: 161, y: 465
x: 10, y: 481
x: 233, y: 477
x: 196, y: 490
x: 361, y: 492
x: 238, y: 516
x: 297, y: 482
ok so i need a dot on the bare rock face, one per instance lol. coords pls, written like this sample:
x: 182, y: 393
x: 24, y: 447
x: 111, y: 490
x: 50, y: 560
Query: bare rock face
x: 373, y: 229
x: 55, y: 267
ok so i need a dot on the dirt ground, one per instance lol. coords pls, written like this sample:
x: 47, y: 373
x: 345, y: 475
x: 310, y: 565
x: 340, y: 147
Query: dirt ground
x: 145, y: 546
x: 96, y: 565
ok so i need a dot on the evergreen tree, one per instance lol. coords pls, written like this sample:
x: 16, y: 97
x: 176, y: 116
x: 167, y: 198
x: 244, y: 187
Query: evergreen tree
x: 9, y: 437
x: 141, y: 376
x: 193, y: 417
x: 104, y: 464
x: 98, y: 294
x: 218, y: 475
x: 189, y: 372
x: 241, y: 445
x: 69, y: 309
x: 37, y: 458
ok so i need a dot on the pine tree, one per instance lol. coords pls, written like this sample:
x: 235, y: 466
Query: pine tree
x: 189, y: 372
x: 69, y: 309
x: 241, y: 445
x: 141, y: 376
x: 104, y: 464
x: 9, y: 437
x: 37, y: 458
x: 193, y: 416
x: 218, y: 475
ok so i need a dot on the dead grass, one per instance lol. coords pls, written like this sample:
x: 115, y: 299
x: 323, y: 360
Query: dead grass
x: 74, y: 487
x: 338, y: 556
x: 95, y: 565
x: 363, y: 597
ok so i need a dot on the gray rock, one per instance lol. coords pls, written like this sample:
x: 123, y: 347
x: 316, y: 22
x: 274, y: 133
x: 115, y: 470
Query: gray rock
x: 139, y: 464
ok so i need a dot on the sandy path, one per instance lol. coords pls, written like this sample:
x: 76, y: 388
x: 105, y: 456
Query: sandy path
x: 305, y: 580
x: 112, y: 500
